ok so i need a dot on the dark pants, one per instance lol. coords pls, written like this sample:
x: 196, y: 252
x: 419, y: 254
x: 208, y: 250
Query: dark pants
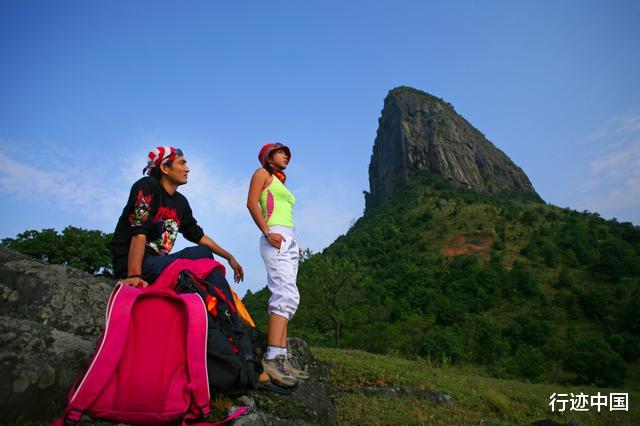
x: 152, y: 266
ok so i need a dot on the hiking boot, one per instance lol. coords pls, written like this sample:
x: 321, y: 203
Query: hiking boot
x: 292, y: 368
x: 276, y: 370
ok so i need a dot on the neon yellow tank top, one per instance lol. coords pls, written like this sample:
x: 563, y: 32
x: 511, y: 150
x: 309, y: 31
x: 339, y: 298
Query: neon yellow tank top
x: 276, y: 202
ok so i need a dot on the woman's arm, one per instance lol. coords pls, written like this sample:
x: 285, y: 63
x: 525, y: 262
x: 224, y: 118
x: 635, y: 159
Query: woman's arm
x: 258, y: 181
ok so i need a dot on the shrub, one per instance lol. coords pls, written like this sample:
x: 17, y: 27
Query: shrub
x: 594, y: 362
x: 529, y: 362
x: 598, y: 303
x: 523, y: 281
x: 529, y: 331
x: 486, y: 342
x: 441, y: 342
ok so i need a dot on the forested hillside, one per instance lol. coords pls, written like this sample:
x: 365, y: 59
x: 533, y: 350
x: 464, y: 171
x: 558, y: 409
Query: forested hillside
x: 507, y: 282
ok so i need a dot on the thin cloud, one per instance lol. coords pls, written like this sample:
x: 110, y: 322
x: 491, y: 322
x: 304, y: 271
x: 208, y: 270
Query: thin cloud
x: 71, y: 188
x: 618, y: 162
x: 323, y: 213
x: 97, y: 192
x: 618, y: 125
x: 628, y: 124
x: 613, y: 186
x: 215, y: 192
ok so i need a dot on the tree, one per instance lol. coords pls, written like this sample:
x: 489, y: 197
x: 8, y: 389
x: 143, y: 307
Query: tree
x: 75, y: 247
x: 594, y: 362
x: 617, y: 260
x: 598, y: 303
x: 486, y: 342
x: 523, y: 280
x: 530, y: 362
x: 526, y: 329
x: 564, y: 279
x: 332, y: 286
x: 443, y: 342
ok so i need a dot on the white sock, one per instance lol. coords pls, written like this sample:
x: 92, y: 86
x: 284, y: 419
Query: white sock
x: 272, y: 352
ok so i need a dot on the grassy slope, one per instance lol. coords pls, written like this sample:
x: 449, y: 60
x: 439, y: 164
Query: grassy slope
x: 479, y: 399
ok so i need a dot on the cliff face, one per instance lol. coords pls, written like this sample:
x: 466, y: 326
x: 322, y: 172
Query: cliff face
x: 418, y: 132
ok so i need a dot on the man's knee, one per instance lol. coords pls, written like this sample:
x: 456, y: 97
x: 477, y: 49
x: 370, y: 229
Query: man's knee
x: 202, y: 252
x: 194, y: 253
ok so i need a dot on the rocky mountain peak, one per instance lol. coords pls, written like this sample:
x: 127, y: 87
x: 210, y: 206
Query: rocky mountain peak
x: 419, y: 132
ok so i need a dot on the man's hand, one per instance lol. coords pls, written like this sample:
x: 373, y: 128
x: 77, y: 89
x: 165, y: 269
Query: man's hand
x: 238, y: 273
x: 134, y: 282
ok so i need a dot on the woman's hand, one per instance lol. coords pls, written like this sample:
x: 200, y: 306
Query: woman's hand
x: 134, y: 282
x: 276, y: 240
x: 238, y: 273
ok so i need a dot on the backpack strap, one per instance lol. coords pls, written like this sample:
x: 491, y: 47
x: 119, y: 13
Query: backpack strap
x: 242, y: 310
x: 200, y: 267
x: 197, y: 354
x: 205, y: 286
x: 108, y: 354
x: 240, y: 411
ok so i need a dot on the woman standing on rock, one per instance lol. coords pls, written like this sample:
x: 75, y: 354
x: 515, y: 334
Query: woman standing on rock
x: 271, y: 206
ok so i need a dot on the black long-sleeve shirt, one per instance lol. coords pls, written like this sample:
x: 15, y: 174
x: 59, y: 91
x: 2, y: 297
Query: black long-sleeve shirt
x: 151, y: 211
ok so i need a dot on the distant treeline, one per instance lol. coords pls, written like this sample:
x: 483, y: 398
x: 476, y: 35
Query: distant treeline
x: 75, y: 247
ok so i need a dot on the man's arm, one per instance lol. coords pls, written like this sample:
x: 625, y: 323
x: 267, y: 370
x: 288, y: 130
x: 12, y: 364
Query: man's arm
x: 238, y: 273
x: 136, y: 254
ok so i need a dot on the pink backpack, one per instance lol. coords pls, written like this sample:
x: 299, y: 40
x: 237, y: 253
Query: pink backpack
x: 150, y: 366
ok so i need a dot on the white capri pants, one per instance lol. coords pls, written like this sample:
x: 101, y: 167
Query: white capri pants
x: 282, y: 269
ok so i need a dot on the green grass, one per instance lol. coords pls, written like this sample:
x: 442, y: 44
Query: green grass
x: 480, y: 399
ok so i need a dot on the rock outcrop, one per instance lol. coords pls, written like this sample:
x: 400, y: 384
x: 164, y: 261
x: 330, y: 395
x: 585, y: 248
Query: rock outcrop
x: 421, y: 133
x: 309, y: 403
x: 50, y: 319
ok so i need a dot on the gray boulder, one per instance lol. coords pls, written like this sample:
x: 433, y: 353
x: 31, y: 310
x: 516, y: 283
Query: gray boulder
x: 308, y: 403
x: 50, y: 317
x: 50, y: 320
x: 52, y: 295
x: 38, y: 364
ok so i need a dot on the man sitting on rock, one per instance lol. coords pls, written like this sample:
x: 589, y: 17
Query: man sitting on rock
x: 151, y: 220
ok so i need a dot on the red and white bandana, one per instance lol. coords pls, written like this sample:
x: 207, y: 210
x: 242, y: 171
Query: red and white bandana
x: 161, y: 155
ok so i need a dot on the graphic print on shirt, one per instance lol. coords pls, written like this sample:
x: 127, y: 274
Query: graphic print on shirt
x: 140, y: 210
x: 168, y: 224
x: 270, y: 205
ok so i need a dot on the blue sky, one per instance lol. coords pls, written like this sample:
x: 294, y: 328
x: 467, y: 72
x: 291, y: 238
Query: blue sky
x: 87, y: 88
